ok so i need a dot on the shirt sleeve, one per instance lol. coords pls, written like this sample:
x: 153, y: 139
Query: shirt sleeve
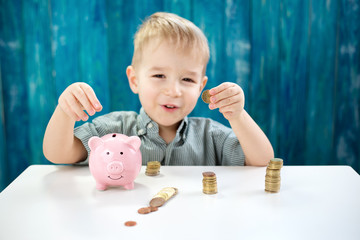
x: 232, y: 152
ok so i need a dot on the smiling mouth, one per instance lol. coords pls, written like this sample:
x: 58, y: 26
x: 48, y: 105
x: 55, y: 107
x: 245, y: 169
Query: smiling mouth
x: 115, y: 178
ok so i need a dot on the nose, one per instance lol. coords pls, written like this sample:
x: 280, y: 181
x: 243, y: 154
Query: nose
x: 115, y: 167
x: 172, y: 89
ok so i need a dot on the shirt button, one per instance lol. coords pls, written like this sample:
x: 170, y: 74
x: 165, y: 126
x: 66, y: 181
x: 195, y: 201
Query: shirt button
x: 141, y: 131
x: 150, y: 125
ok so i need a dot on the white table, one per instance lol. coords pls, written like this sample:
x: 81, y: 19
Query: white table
x: 61, y: 202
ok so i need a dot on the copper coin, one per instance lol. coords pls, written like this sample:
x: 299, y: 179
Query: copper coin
x: 206, y: 96
x: 157, y: 202
x: 208, y: 174
x: 130, y: 223
x: 144, y: 210
x: 153, y: 209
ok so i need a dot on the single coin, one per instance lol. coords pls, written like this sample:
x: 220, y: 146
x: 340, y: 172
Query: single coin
x: 153, y: 209
x: 144, y: 210
x: 157, y: 202
x: 208, y: 174
x: 206, y: 96
x: 130, y: 223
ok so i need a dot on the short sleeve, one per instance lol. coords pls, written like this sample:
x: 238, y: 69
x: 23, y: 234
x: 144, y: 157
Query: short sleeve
x: 232, y: 152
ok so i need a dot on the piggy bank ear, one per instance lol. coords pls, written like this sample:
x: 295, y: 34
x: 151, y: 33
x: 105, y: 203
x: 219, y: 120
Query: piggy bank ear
x: 94, y: 142
x: 134, y: 142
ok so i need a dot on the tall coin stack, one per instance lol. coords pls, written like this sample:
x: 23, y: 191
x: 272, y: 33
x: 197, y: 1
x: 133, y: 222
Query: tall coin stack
x: 272, y: 177
x: 153, y: 168
x: 209, y: 183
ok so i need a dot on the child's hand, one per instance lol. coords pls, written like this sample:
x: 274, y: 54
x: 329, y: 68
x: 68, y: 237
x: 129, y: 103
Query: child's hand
x: 79, y: 97
x: 229, y: 98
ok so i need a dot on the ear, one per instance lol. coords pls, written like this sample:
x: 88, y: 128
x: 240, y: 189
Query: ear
x: 133, y: 82
x: 203, y: 83
x: 134, y: 142
x: 94, y: 142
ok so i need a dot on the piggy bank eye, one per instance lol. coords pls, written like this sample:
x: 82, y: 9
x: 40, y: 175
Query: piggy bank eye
x: 107, y: 153
x: 121, y: 153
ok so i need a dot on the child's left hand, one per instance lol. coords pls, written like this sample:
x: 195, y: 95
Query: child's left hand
x: 229, y: 98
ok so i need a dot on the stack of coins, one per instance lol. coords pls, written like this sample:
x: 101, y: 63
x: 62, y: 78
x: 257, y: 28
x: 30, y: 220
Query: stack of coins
x: 272, y: 177
x: 153, y: 168
x: 209, y: 183
x: 161, y: 197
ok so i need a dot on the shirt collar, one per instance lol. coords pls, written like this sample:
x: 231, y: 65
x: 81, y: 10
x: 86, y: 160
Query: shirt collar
x: 145, y: 124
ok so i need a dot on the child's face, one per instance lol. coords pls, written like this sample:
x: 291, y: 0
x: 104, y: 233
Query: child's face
x: 168, y: 81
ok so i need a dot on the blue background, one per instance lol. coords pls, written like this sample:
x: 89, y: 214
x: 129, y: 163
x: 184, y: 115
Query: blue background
x: 298, y: 62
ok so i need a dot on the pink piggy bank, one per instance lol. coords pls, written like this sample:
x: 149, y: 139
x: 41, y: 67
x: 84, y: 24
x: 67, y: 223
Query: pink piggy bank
x: 115, y: 160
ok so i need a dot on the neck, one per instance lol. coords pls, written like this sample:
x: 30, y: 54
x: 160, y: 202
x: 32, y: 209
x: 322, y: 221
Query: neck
x: 168, y: 133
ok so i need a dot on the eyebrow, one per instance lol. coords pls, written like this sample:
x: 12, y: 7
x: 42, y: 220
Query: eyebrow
x: 192, y: 73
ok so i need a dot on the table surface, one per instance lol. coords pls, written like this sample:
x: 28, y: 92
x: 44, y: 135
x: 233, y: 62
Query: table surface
x: 61, y: 202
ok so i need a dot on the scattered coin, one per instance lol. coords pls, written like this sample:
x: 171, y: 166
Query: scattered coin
x: 152, y: 168
x: 144, y: 210
x: 153, y: 209
x: 130, y: 223
x: 272, y: 177
x: 209, y: 183
x: 206, y: 96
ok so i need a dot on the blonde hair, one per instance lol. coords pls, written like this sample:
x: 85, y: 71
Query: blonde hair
x: 170, y: 27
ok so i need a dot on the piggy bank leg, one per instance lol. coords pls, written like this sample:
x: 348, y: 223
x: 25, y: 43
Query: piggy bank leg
x: 129, y: 186
x: 100, y: 186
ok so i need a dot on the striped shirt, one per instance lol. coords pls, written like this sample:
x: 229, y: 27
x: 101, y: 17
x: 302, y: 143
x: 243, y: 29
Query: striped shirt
x: 198, y: 141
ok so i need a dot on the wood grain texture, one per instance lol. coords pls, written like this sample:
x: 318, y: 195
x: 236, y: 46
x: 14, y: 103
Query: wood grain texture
x: 14, y: 90
x: 294, y: 16
x: 3, y: 164
x: 38, y: 74
x: 209, y: 17
x: 320, y: 83
x: 264, y: 83
x: 347, y: 89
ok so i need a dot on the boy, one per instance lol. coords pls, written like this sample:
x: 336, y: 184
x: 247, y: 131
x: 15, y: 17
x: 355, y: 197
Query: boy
x: 168, y: 73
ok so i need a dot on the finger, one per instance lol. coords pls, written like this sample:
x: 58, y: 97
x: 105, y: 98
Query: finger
x: 220, y: 88
x: 227, y: 101
x: 81, y: 97
x: 76, y: 107
x: 234, y: 107
x: 90, y: 94
x: 226, y: 93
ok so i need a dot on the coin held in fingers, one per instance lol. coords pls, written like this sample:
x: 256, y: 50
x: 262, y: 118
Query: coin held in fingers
x: 206, y: 96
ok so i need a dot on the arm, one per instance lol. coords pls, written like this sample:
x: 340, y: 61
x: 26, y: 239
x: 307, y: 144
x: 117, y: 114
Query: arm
x: 229, y: 98
x: 59, y: 144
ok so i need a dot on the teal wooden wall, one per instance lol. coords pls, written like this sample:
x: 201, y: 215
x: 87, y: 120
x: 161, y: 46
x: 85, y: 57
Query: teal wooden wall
x: 298, y: 62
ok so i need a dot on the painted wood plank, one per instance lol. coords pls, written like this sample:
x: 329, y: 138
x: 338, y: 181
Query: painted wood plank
x: 264, y: 84
x: 183, y: 8
x: 320, y: 89
x: 65, y: 43
x: 121, y: 28
x: 237, y: 43
x: 293, y: 68
x: 347, y: 92
x: 209, y: 17
x: 38, y: 74
x: 3, y: 163
x: 14, y: 92
x: 93, y: 51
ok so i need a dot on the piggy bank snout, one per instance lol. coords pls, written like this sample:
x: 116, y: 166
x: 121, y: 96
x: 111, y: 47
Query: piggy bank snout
x: 115, y: 168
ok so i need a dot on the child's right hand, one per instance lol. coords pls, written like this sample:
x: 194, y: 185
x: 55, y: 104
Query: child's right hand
x: 79, y: 97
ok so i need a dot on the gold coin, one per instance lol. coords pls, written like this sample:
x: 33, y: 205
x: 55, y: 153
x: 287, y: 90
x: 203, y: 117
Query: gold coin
x: 206, y: 96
